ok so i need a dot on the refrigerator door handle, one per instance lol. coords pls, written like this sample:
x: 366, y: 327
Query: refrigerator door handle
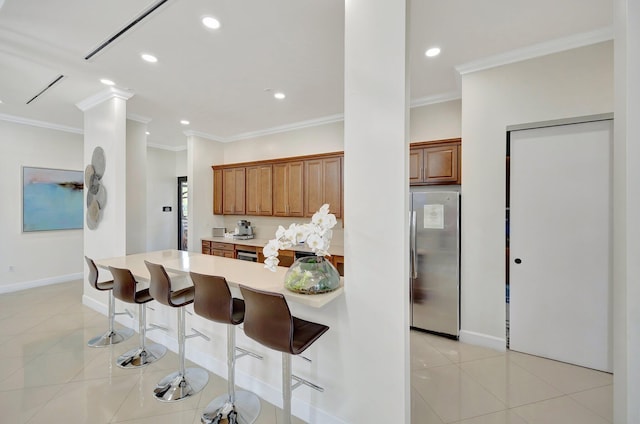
x: 414, y: 267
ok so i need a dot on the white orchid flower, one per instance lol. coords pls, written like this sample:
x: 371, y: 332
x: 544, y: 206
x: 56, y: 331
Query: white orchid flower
x: 271, y: 263
x: 315, y: 242
x: 280, y: 232
x: 316, y: 234
x: 291, y: 233
x: 271, y: 249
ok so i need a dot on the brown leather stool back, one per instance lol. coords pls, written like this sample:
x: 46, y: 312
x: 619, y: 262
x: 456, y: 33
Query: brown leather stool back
x: 159, y: 283
x: 213, y: 300
x: 93, y: 276
x: 124, y: 287
x: 268, y: 320
x: 160, y: 288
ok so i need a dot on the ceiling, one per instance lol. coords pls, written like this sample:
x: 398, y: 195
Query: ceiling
x: 223, y: 80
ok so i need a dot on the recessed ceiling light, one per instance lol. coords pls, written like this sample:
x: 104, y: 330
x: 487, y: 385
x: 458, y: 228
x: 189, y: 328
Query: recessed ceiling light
x: 107, y: 81
x: 149, y: 58
x: 432, y: 52
x: 279, y: 95
x: 210, y: 22
x: 184, y: 122
x: 147, y: 133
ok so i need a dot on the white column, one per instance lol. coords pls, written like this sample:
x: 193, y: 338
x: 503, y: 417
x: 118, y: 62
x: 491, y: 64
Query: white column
x: 376, y: 211
x: 626, y: 212
x: 136, y: 184
x: 201, y: 155
x: 105, y: 126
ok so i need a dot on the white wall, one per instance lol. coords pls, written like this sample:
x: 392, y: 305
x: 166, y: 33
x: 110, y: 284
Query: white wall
x: 436, y: 121
x: 569, y: 84
x: 305, y: 141
x: 40, y: 257
x: 162, y: 227
x: 202, y: 154
x: 626, y: 197
x: 430, y: 122
x: 181, y: 163
x: 136, y: 187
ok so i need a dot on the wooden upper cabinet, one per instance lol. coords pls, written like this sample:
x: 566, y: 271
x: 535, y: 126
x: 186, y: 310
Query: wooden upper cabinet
x: 323, y: 184
x: 217, y: 191
x: 259, y: 190
x: 288, y: 178
x: 415, y: 165
x: 233, y: 181
x: 290, y: 187
x: 435, y: 162
x: 441, y: 164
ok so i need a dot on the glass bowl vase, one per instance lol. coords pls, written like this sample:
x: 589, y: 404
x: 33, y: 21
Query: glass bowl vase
x: 312, y: 275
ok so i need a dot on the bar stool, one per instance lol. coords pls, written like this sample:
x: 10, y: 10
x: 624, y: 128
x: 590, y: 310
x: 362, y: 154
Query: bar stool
x: 268, y: 320
x: 184, y: 382
x: 124, y: 288
x: 214, y: 302
x: 112, y: 336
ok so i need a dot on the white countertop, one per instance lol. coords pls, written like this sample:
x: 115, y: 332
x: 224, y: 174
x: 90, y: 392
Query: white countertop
x: 236, y: 272
x: 257, y: 242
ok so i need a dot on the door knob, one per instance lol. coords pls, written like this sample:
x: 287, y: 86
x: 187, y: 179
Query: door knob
x: 518, y: 261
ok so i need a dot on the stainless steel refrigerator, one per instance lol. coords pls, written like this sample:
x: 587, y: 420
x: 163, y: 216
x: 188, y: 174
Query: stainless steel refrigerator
x: 435, y: 261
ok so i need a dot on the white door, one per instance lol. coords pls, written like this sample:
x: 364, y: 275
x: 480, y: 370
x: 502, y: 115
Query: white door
x: 560, y: 243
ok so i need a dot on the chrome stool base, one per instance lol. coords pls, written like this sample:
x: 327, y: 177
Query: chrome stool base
x: 244, y: 410
x: 140, y: 357
x: 177, y: 386
x: 110, y: 338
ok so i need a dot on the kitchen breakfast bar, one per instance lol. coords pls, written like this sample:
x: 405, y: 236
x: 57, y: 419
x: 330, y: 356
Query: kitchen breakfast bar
x: 321, y: 364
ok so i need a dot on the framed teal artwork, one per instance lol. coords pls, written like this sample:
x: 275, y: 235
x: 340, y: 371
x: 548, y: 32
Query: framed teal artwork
x: 51, y: 199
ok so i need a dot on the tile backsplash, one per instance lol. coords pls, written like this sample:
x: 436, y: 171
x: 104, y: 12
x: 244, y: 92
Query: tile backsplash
x: 264, y: 227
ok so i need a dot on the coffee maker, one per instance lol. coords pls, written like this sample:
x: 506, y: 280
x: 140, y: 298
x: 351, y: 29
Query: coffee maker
x: 244, y: 230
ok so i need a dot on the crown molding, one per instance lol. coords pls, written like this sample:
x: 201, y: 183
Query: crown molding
x: 109, y: 93
x: 437, y: 98
x: 169, y: 148
x: 41, y: 124
x: 138, y: 118
x: 190, y: 133
x: 288, y: 127
x: 537, y: 50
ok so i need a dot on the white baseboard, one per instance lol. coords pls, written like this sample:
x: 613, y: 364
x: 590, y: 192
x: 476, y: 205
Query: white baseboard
x: 10, y: 288
x: 483, y: 340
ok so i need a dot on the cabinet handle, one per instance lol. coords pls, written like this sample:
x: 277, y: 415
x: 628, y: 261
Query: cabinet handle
x: 421, y: 173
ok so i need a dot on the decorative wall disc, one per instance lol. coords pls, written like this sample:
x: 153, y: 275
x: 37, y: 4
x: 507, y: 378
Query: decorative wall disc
x: 96, y: 191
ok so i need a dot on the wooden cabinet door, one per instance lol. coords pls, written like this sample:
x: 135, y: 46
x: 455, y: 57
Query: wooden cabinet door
x: 440, y: 164
x: 287, y: 189
x: 313, y: 193
x: 323, y: 184
x: 259, y: 190
x: 415, y: 166
x: 234, y: 191
x: 217, y: 192
x: 338, y: 262
x: 332, y: 185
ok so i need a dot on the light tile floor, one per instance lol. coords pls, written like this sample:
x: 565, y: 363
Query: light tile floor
x: 49, y: 375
